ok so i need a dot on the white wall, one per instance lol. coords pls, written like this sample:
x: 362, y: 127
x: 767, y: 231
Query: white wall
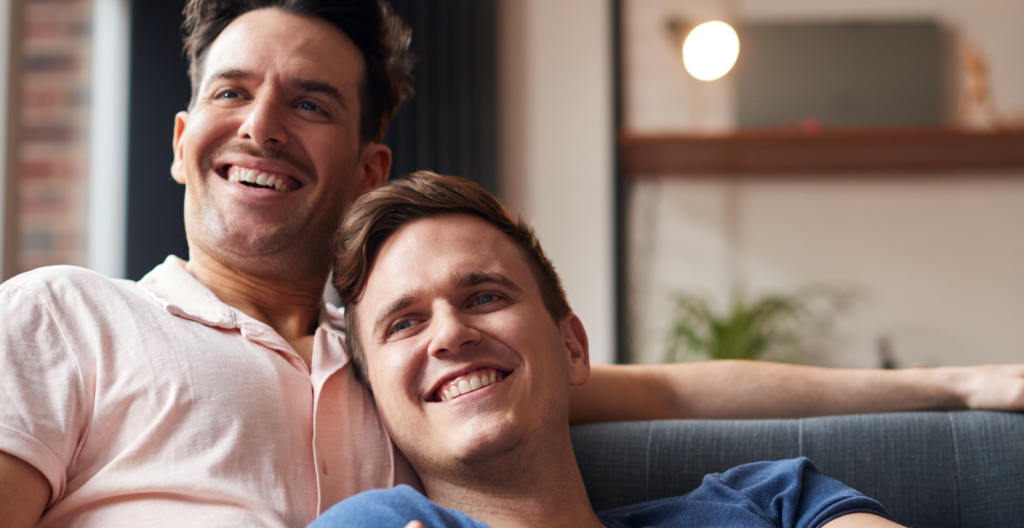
x: 937, y: 263
x: 5, y: 55
x: 108, y: 137
x: 937, y: 258
x: 556, y: 137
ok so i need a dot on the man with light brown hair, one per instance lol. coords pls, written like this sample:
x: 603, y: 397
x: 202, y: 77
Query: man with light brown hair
x: 459, y: 325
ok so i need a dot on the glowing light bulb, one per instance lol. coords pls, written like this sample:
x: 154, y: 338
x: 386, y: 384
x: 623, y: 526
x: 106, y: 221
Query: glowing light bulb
x: 710, y: 50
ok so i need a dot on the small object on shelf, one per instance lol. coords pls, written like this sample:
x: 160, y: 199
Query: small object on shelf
x: 977, y: 109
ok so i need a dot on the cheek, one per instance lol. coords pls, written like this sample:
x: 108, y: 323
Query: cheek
x: 516, y: 329
x: 205, y: 132
x: 391, y: 375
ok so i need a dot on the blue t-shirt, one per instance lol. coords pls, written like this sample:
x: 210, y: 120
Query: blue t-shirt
x: 787, y: 493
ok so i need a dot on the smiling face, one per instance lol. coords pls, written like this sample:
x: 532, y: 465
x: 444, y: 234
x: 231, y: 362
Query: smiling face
x: 451, y: 301
x: 270, y: 150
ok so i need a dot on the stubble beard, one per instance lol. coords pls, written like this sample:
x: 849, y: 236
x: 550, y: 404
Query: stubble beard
x: 288, y: 248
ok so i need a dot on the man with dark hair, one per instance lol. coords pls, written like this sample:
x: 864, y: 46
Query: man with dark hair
x: 217, y: 391
x: 450, y: 317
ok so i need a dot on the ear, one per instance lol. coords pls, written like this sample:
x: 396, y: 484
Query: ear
x: 374, y: 164
x: 578, y: 348
x: 178, y: 166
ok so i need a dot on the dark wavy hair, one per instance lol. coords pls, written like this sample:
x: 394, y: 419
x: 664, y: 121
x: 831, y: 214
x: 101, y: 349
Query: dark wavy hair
x: 378, y: 214
x: 372, y: 25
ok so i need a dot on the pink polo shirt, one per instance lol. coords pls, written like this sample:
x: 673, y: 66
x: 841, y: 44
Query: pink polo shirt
x: 155, y: 404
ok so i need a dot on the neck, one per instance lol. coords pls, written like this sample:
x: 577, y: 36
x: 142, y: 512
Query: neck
x: 518, y: 489
x: 288, y: 303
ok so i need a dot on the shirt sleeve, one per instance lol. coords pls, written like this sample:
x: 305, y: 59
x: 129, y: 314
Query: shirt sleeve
x: 792, y: 492
x: 787, y: 493
x: 42, y: 396
x: 393, y: 508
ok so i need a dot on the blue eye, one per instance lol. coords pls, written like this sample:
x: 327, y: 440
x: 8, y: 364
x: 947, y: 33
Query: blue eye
x: 485, y: 298
x: 228, y: 95
x: 401, y: 325
x: 306, y: 105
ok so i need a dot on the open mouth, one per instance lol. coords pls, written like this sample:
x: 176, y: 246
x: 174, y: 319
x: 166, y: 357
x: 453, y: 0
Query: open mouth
x: 258, y: 179
x: 467, y: 383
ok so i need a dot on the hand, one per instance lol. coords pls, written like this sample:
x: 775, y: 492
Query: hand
x: 414, y: 524
x: 997, y: 387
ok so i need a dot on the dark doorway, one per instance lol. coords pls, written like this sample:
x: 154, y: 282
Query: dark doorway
x: 450, y: 125
x: 159, y: 89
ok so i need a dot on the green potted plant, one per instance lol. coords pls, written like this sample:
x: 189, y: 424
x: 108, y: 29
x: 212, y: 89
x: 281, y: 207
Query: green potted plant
x: 775, y: 326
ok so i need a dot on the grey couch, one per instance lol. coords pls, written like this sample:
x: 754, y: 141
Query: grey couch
x: 933, y: 469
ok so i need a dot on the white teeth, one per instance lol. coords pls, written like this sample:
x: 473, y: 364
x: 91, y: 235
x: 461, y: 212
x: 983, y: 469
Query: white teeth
x: 264, y: 179
x: 476, y: 381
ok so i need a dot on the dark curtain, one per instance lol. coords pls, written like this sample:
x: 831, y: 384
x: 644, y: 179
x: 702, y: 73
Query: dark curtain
x: 449, y: 126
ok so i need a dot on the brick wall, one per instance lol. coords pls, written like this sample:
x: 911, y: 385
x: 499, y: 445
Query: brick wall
x: 54, y: 133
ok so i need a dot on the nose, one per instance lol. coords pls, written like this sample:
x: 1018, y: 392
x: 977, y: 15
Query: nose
x: 265, y: 123
x: 451, y: 332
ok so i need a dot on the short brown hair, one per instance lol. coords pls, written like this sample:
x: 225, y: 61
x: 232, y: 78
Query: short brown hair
x: 377, y: 215
x: 375, y: 29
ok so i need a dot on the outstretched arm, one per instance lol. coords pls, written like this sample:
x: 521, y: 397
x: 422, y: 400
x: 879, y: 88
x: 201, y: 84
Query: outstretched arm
x: 755, y: 389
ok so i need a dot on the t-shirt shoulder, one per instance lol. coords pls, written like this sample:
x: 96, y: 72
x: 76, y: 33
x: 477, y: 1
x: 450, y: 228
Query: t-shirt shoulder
x: 393, y: 507
x: 787, y: 493
x: 56, y: 282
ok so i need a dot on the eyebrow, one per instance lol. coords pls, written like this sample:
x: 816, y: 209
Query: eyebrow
x: 476, y: 278
x: 309, y: 85
x: 234, y: 74
x: 306, y: 85
x: 464, y: 280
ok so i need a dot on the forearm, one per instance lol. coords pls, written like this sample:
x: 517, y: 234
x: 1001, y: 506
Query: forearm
x: 753, y: 389
x: 24, y: 492
x: 749, y: 389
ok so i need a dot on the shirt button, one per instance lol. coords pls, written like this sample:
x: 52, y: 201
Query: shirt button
x: 323, y: 465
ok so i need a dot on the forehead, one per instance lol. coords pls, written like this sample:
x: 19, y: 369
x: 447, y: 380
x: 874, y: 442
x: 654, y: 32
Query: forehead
x: 270, y: 41
x: 434, y: 252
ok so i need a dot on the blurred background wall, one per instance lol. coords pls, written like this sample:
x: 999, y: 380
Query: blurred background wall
x: 935, y: 257
x: 528, y: 92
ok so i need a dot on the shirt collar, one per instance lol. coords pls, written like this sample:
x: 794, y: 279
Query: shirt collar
x: 174, y: 288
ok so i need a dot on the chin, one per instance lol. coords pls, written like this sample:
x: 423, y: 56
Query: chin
x: 482, y: 448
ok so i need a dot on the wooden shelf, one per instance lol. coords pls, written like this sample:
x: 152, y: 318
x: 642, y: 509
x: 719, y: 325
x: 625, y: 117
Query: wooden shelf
x: 881, y: 150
